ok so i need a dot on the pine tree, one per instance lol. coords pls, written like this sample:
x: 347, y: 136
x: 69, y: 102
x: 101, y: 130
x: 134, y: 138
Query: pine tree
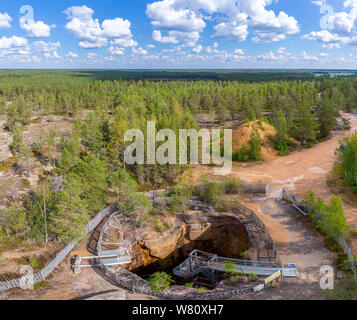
x: 255, y: 144
x: 326, y: 117
x: 17, y: 141
x: 306, y: 126
x: 71, y: 214
x: 280, y: 139
x: 14, y: 221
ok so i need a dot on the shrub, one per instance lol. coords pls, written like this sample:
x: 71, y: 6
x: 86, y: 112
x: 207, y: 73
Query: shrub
x: 347, y: 156
x: 232, y: 185
x: 252, y: 276
x: 329, y: 218
x: 211, y: 192
x: 160, y: 281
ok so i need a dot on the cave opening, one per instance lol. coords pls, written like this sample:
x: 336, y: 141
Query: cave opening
x: 229, y: 240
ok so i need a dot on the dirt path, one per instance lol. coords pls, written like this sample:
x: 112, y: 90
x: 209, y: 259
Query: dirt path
x: 296, y: 244
x: 298, y: 172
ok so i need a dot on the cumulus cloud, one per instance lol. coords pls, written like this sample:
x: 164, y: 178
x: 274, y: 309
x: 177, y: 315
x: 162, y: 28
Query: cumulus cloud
x: 91, y: 34
x: 337, y: 27
x: 139, y: 51
x: 12, y: 42
x: 156, y: 35
x: 327, y: 37
x: 115, y: 51
x: 18, y: 49
x: 231, y: 31
x: 37, y: 29
x: 46, y: 47
x: 124, y: 43
x: 331, y: 46
x: 5, y: 20
x: 238, y: 19
x: 165, y: 15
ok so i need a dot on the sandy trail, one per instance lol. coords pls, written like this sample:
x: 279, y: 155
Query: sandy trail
x: 298, y: 172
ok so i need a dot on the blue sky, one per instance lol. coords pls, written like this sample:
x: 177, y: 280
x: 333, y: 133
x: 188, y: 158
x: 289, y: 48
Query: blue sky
x: 205, y: 34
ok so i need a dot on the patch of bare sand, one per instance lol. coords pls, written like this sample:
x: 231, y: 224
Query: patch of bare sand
x: 277, y: 230
x: 242, y: 136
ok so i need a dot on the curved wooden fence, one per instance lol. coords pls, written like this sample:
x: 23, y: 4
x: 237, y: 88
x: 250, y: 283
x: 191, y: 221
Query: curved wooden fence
x: 61, y: 256
x: 133, y: 283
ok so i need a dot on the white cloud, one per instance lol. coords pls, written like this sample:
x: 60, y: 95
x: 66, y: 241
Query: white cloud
x: 115, y: 51
x: 197, y: 49
x: 72, y: 55
x: 231, y: 31
x: 308, y: 57
x: 124, y: 43
x: 37, y: 29
x: 116, y: 28
x: 156, y: 35
x: 165, y: 15
x: 92, y: 34
x: 139, y: 51
x: 56, y: 55
x: 13, y: 42
x: 338, y: 27
x: 41, y: 46
x: 151, y: 46
x: 5, y: 20
x: 92, y: 55
x: 268, y: 56
x: 331, y: 46
x: 265, y: 24
x: 239, y: 52
x: 326, y: 36
x: 281, y: 51
x: 18, y: 49
x: 239, y: 18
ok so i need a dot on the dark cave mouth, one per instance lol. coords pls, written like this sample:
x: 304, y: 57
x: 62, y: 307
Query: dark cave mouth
x: 229, y: 241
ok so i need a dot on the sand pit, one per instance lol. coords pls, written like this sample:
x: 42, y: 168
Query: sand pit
x: 242, y: 136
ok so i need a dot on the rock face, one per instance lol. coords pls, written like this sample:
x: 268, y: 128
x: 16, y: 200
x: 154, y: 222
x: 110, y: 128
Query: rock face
x: 222, y: 235
x: 162, y: 247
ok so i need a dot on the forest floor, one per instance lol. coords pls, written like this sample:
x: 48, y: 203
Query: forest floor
x: 14, y: 182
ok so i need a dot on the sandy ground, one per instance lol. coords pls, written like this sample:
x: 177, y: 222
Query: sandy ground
x: 296, y: 243
x: 298, y: 172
